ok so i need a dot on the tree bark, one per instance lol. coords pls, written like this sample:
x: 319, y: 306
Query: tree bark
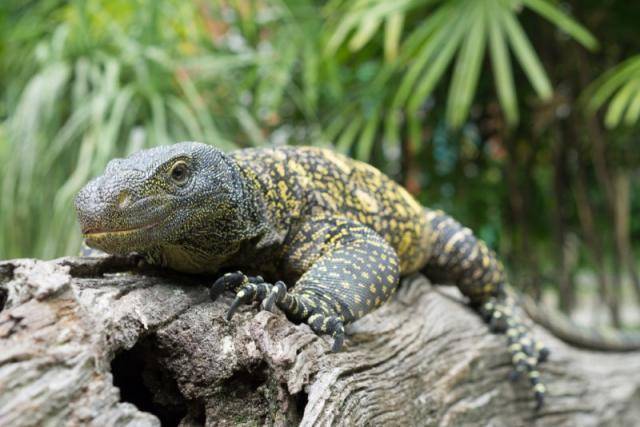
x: 84, y: 343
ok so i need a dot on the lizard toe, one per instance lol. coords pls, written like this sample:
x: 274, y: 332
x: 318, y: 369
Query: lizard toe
x: 275, y: 295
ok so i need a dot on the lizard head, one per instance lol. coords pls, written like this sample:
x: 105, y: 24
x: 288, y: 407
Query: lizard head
x: 186, y: 195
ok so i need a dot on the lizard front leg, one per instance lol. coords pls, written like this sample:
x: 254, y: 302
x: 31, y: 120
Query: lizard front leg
x: 348, y: 270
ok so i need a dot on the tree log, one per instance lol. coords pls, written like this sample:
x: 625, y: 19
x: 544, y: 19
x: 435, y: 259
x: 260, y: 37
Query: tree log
x: 101, y: 341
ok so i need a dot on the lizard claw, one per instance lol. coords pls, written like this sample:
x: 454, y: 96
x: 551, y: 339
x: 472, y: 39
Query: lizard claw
x: 249, y: 292
x: 227, y: 281
x: 232, y: 309
x: 240, y: 298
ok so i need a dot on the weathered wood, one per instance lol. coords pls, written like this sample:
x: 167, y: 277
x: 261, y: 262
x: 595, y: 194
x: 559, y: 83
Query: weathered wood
x: 71, y: 328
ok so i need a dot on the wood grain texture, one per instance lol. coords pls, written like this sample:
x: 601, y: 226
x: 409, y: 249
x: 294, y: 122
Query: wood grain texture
x: 71, y: 327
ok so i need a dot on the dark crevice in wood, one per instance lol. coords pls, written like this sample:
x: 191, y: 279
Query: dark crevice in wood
x: 4, y: 294
x: 301, y: 399
x: 6, y: 274
x: 6, y: 271
x: 143, y: 382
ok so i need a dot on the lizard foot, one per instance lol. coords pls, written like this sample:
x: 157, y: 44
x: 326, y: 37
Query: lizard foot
x: 249, y: 289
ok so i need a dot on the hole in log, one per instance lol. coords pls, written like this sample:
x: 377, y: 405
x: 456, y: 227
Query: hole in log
x: 145, y: 384
x: 4, y: 294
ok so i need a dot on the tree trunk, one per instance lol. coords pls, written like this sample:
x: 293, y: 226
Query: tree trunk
x: 83, y: 345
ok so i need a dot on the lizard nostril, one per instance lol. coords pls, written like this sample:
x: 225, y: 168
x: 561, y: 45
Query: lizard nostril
x: 123, y: 200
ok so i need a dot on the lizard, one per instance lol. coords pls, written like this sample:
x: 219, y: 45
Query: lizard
x: 334, y: 234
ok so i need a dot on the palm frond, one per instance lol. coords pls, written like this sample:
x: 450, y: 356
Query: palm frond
x: 620, y: 89
x: 456, y: 29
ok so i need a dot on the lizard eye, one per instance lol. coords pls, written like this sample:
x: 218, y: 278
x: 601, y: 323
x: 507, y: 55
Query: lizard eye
x: 180, y: 173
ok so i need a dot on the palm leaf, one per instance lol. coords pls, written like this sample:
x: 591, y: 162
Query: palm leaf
x: 428, y: 50
x: 526, y: 55
x: 619, y: 86
x: 467, y: 70
x: 502, y: 69
x: 561, y: 20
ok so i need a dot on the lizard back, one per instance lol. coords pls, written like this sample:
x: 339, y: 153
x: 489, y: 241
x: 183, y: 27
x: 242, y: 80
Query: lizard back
x: 299, y: 182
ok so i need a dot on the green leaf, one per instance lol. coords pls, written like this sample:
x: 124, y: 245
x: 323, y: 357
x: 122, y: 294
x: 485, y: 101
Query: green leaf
x: 619, y: 104
x: 416, y: 51
x: 250, y: 127
x: 186, y: 117
x: 444, y: 44
x: 414, y: 124
x: 564, y: 22
x: 433, y: 39
x: 527, y: 56
x: 310, y: 78
x: 358, y: 13
x: 348, y: 135
x: 502, y: 71
x: 339, y: 122
x: 392, y: 33
x: 633, y: 111
x: 158, y: 120
x: 367, y: 137
x: 392, y: 128
x: 339, y: 34
x: 467, y: 70
x: 600, y: 90
x: 367, y: 29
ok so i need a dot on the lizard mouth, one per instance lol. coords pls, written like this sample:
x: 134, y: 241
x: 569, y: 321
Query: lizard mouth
x: 94, y: 233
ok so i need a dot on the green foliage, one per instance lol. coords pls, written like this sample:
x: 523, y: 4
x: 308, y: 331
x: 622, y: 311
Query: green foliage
x: 620, y: 89
x: 105, y: 78
x: 444, y: 32
x: 84, y: 81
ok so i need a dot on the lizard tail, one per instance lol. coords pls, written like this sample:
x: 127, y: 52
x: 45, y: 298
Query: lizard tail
x: 601, y: 339
x: 457, y: 256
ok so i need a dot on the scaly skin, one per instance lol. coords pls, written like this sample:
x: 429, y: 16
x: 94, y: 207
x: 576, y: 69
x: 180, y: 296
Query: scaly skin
x: 338, y: 232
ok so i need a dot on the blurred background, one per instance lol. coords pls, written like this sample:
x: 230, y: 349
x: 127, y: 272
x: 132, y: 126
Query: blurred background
x: 518, y: 117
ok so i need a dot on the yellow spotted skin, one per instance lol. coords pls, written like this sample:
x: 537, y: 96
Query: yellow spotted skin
x: 352, y: 232
x: 338, y: 234
x: 306, y: 182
